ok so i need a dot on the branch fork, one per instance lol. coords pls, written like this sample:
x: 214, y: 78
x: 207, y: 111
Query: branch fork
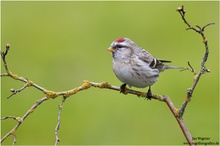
x: 177, y: 113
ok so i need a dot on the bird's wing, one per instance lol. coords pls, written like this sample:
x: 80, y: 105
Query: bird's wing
x: 145, y: 56
x: 150, y: 60
x: 165, y: 61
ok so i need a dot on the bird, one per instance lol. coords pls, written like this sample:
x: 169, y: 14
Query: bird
x: 134, y: 66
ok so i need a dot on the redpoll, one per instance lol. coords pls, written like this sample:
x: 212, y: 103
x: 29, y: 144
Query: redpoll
x: 135, y: 66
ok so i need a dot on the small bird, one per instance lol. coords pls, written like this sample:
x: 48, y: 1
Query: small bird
x: 135, y: 66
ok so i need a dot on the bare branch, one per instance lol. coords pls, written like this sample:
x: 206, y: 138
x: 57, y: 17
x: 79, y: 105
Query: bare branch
x: 20, y: 120
x: 10, y: 117
x: 18, y: 90
x: 190, y: 69
x: 51, y: 94
x: 182, y: 125
x: 203, y: 69
x: 3, y: 55
x: 59, y: 120
x: 178, y: 114
x: 211, y: 23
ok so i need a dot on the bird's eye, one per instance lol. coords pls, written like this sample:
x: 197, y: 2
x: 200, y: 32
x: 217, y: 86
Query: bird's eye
x: 119, y: 46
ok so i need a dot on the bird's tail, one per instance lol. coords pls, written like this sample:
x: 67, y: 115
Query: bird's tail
x: 165, y: 67
x: 172, y: 67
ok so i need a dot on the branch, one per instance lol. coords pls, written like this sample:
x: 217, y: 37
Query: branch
x: 178, y: 114
x: 85, y: 85
x: 182, y: 125
x: 203, y: 69
x: 59, y: 121
x: 20, y: 120
x: 52, y: 94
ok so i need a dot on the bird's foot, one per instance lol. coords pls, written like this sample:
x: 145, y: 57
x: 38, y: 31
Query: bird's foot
x: 123, y: 88
x: 149, y: 94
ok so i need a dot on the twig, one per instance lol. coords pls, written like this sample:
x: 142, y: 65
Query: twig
x: 199, y: 30
x: 11, y: 117
x: 182, y: 125
x: 16, y: 77
x: 203, y: 69
x: 18, y: 90
x: 105, y: 85
x: 3, y: 54
x: 51, y: 94
x: 20, y: 120
x: 59, y: 120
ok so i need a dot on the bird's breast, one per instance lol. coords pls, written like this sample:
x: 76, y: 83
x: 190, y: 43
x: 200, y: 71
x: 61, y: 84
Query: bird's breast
x: 135, y: 74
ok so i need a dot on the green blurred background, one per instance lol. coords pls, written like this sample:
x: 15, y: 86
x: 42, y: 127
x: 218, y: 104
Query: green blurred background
x: 59, y: 44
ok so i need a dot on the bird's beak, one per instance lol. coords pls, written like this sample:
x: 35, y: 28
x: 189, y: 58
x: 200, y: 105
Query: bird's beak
x: 111, y: 49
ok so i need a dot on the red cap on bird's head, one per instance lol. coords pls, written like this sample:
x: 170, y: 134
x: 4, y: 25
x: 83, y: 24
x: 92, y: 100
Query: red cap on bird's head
x: 119, y: 40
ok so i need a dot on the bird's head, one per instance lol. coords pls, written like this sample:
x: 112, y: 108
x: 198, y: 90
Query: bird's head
x: 122, y: 48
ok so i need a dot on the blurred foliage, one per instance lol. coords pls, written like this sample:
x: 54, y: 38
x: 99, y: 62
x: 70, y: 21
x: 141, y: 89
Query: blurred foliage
x: 59, y: 44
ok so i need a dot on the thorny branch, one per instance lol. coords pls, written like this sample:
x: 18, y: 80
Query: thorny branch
x: 105, y: 85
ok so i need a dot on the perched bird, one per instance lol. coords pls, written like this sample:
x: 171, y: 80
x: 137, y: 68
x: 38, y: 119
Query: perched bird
x: 135, y: 66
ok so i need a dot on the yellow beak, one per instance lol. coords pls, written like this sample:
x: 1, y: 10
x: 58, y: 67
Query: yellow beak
x: 111, y: 49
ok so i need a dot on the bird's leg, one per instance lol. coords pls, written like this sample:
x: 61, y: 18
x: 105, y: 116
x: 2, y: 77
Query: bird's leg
x: 149, y: 94
x: 122, y: 88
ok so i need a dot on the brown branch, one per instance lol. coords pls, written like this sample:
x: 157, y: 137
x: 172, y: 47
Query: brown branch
x: 203, y: 69
x: 51, y: 94
x: 85, y: 85
x: 105, y: 85
x: 182, y: 125
x: 20, y: 120
x: 18, y: 90
x: 3, y: 54
x: 59, y: 120
x: 10, y: 117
